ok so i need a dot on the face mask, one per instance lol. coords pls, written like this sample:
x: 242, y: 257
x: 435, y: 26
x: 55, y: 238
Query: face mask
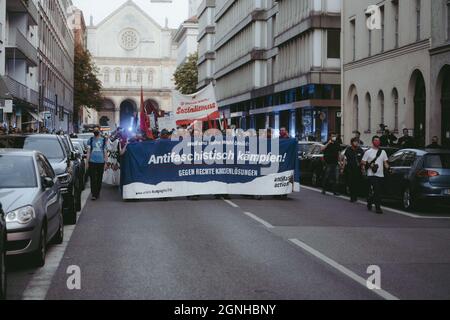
x: 377, y: 144
x: 334, y: 139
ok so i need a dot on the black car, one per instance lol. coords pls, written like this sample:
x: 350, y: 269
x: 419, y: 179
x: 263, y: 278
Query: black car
x: 2, y: 254
x: 78, y: 171
x: 418, y: 176
x: 64, y: 161
x: 311, y: 165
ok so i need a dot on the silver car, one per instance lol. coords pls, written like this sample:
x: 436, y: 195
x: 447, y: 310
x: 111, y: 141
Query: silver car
x: 31, y: 199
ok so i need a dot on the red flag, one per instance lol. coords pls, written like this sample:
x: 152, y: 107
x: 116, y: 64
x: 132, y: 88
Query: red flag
x: 145, y: 122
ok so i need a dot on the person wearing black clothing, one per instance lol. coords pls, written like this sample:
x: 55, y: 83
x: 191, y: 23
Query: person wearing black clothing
x: 358, y: 137
x: 331, y: 156
x: 406, y: 141
x: 388, y: 139
x: 434, y: 143
x: 353, y: 158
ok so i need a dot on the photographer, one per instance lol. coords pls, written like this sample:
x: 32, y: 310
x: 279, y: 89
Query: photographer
x: 374, y: 161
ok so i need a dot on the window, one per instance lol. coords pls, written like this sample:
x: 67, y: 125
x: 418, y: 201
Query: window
x: 395, y: 99
x: 396, y: 160
x: 150, y: 77
x: 409, y: 158
x: 353, y: 33
x: 139, y: 76
x: 369, y: 112
x: 370, y: 42
x: 356, y: 113
x: 418, y: 17
x: 106, y: 76
x: 448, y: 19
x: 128, y: 76
x: 381, y: 102
x: 396, y: 19
x: 117, y: 76
x: 382, y: 28
x: 333, y: 44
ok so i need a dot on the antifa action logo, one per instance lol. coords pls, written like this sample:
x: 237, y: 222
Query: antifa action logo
x: 373, y: 14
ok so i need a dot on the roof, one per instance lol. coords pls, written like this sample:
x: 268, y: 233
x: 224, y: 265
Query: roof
x: 18, y: 152
x: 126, y: 4
x: 428, y: 151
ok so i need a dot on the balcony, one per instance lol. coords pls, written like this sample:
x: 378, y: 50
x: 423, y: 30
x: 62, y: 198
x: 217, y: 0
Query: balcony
x: 21, y: 91
x: 18, y: 47
x: 24, y: 6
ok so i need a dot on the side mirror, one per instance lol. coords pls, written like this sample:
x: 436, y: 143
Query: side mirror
x: 73, y: 155
x: 47, y: 182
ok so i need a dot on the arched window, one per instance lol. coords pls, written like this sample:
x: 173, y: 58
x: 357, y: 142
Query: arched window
x: 395, y: 100
x: 139, y: 76
x: 128, y: 76
x: 356, y: 113
x: 150, y: 77
x: 106, y: 75
x: 117, y: 75
x: 369, y: 112
x: 381, y: 105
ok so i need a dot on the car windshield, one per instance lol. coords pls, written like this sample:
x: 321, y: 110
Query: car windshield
x: 50, y: 147
x: 17, y: 172
x: 304, y: 147
x: 437, y: 161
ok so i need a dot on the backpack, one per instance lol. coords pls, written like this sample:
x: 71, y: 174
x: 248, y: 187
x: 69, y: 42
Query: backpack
x: 91, y: 139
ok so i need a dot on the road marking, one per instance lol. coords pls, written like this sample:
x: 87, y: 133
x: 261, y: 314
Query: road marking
x: 380, y: 292
x: 39, y: 285
x: 403, y: 213
x: 231, y: 203
x: 264, y: 223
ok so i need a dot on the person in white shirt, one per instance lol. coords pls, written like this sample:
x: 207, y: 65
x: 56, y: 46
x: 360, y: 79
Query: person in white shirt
x: 374, y: 161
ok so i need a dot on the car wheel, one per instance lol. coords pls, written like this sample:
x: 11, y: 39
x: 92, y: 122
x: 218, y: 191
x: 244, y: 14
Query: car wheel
x: 38, y: 257
x: 407, y: 200
x: 70, y: 216
x: 59, y: 236
x: 3, y: 275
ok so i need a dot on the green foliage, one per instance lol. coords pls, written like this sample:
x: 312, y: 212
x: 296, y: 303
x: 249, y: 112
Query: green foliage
x: 87, y: 86
x: 186, y: 75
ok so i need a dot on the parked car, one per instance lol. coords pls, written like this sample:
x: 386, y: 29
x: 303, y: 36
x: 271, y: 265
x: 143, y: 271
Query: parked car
x: 418, y: 176
x: 303, y: 148
x: 63, y: 163
x: 85, y: 137
x: 82, y: 154
x: 311, y: 165
x: 30, y: 193
x: 76, y: 163
x: 2, y: 254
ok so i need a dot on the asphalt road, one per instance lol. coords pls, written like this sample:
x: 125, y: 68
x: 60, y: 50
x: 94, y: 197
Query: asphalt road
x: 307, y: 247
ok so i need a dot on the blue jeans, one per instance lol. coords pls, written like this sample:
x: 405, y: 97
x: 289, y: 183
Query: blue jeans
x: 331, y: 174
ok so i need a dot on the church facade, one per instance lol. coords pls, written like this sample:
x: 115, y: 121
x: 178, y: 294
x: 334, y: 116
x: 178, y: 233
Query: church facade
x: 132, y: 51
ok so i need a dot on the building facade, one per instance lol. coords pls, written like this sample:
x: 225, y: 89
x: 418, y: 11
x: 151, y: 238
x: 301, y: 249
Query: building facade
x: 277, y: 64
x: 56, y: 64
x: 132, y: 51
x: 19, y: 65
x: 186, y: 39
x: 398, y: 73
x: 206, y: 43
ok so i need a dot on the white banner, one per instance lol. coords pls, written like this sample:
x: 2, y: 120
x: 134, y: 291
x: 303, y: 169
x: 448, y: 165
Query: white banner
x: 201, y: 106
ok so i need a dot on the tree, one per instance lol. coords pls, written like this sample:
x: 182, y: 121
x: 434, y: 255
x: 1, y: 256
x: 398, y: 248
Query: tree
x: 186, y: 75
x: 87, y: 86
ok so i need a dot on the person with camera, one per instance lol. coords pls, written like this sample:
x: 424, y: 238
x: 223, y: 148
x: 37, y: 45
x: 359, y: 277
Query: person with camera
x: 373, y: 163
x: 331, y: 154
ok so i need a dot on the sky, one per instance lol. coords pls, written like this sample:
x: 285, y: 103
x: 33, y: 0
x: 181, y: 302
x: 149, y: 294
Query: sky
x: 176, y: 12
